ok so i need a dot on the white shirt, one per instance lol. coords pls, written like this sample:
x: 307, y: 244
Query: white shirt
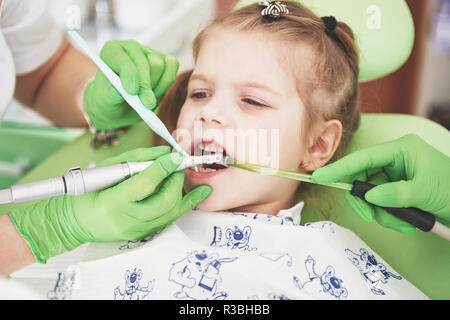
x: 223, y: 255
x: 28, y: 38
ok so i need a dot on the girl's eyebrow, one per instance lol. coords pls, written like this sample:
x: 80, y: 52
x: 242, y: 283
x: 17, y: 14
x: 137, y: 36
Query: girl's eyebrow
x: 257, y: 85
x: 198, y: 77
x: 246, y: 84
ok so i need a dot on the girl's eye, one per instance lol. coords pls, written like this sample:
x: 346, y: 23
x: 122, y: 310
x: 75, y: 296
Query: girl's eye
x: 200, y: 95
x: 253, y: 102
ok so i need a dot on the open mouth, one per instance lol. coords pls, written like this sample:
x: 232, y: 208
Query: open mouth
x: 203, y: 149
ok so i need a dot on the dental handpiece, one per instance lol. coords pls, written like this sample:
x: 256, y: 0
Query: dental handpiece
x: 78, y: 182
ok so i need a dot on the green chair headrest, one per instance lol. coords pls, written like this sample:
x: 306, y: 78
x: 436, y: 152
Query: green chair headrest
x: 384, y: 31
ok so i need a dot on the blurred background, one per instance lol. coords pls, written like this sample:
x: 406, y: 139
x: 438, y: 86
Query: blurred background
x: 420, y: 87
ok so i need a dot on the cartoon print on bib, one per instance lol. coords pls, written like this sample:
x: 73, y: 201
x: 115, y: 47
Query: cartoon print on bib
x: 373, y: 272
x: 198, y: 276
x: 237, y: 238
x: 327, y: 226
x: 133, y: 289
x: 133, y: 244
x: 63, y: 287
x: 326, y: 282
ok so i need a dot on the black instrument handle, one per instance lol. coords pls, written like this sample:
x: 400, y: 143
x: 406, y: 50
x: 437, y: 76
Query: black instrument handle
x: 420, y: 219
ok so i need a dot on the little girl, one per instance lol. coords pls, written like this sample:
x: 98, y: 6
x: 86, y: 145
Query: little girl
x: 294, y: 74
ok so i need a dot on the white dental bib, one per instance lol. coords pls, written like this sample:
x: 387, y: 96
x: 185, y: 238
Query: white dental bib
x: 229, y: 256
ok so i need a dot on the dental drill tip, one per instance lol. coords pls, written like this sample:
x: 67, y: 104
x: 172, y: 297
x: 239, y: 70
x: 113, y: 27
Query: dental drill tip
x: 227, y: 161
x: 6, y: 196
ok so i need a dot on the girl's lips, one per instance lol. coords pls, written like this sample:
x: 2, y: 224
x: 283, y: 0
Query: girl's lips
x: 203, y: 175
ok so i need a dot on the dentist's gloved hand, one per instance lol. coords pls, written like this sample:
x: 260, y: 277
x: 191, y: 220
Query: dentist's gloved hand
x: 130, y: 210
x: 143, y: 72
x: 409, y: 173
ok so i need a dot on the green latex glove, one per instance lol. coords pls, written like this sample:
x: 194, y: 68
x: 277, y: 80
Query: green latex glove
x: 54, y: 226
x: 143, y: 72
x: 408, y: 172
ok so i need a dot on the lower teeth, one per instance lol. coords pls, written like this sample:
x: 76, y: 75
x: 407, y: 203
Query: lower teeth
x: 201, y: 169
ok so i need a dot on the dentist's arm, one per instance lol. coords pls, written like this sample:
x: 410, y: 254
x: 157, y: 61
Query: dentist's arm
x: 415, y: 175
x: 55, y: 89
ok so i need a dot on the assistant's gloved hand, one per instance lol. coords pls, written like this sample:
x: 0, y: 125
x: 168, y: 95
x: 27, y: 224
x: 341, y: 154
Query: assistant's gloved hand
x: 143, y: 72
x: 409, y: 173
x: 130, y: 210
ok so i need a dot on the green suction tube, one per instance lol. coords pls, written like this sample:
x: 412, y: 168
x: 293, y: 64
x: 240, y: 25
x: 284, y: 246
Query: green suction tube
x: 287, y: 174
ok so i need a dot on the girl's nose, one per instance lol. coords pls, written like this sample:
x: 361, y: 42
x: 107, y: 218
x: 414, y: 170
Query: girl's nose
x: 208, y: 119
x: 213, y: 114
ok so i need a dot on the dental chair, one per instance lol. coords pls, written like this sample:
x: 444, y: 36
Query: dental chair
x: 422, y: 258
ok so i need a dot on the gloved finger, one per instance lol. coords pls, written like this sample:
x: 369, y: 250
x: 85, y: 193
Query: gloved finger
x: 387, y: 220
x: 137, y: 155
x: 374, y: 157
x: 115, y: 56
x: 189, y: 201
x: 360, y: 207
x: 384, y: 218
x: 169, y: 75
x: 102, y: 88
x: 145, y: 183
x: 194, y: 197
x: 157, y: 66
x: 158, y: 223
x: 162, y: 201
x: 129, y: 118
x: 145, y: 87
x: 397, y: 194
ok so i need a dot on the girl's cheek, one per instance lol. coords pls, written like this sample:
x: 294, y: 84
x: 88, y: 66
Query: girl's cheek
x: 291, y: 145
x: 181, y: 123
x: 184, y: 126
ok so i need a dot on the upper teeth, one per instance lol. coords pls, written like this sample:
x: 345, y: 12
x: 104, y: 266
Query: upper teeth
x: 211, y: 148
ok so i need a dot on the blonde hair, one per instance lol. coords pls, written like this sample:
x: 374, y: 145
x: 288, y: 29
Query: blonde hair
x: 331, y: 92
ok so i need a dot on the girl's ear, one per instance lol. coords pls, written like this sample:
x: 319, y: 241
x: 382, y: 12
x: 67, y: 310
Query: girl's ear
x: 324, y: 145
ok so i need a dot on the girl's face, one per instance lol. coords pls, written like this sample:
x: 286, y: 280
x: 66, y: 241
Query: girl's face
x: 242, y: 102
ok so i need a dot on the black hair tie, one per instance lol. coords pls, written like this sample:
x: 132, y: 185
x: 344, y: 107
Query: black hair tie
x: 330, y: 24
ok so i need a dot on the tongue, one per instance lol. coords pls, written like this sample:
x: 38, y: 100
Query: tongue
x: 215, y: 166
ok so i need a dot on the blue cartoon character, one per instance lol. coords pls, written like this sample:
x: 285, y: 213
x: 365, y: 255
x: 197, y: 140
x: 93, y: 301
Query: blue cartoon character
x: 275, y: 296
x: 326, y: 282
x: 133, y: 289
x: 270, y: 296
x: 132, y: 244
x: 63, y: 287
x: 322, y: 226
x: 199, y: 276
x: 280, y: 258
x: 234, y: 239
x: 372, y: 271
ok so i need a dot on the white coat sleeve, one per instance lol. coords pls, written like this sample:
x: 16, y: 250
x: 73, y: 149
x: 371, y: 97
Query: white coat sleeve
x: 30, y: 32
